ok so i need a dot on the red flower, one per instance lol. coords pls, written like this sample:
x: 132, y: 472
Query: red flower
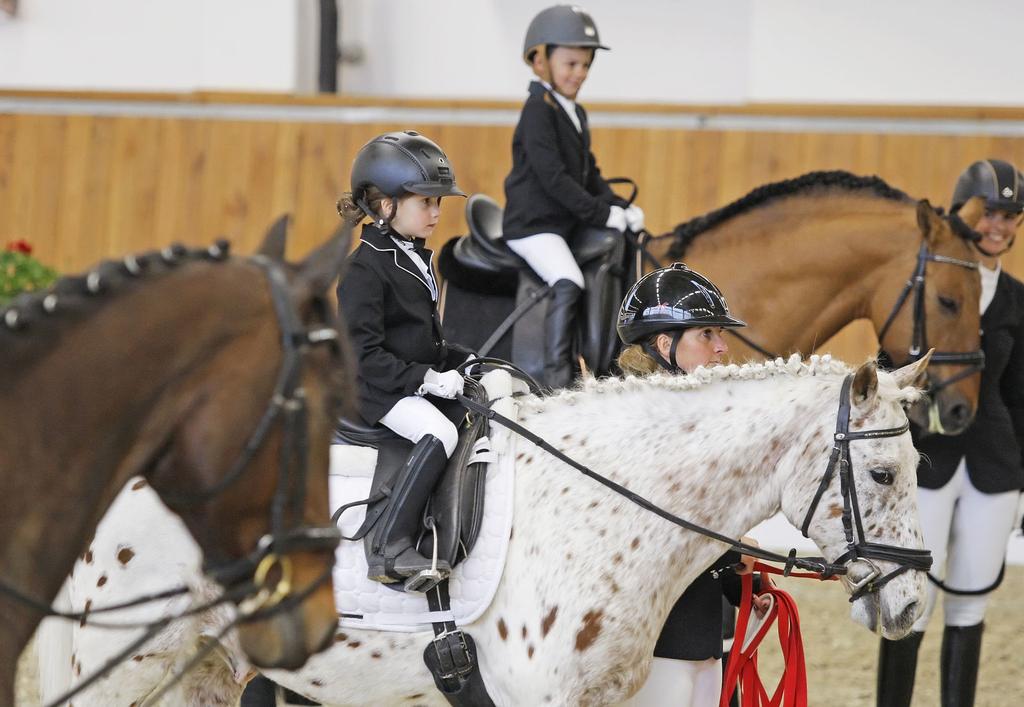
x: 20, y: 246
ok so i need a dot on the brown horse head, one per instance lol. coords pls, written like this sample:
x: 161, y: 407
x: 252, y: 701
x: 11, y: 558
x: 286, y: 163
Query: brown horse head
x: 801, y: 259
x: 278, y: 502
x: 216, y: 377
x: 940, y: 312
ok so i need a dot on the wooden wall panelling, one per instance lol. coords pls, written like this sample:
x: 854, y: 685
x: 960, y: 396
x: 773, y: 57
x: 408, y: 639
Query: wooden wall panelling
x: 83, y: 187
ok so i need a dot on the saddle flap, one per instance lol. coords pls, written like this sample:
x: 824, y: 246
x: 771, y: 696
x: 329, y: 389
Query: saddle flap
x: 457, y: 504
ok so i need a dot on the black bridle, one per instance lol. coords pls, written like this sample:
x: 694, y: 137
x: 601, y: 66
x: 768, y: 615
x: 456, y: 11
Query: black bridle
x: 858, y: 548
x: 288, y: 402
x: 973, y: 360
x: 248, y: 576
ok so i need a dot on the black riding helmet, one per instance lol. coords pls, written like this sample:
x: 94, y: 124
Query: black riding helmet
x: 999, y: 182
x: 560, y: 25
x: 671, y: 299
x: 402, y: 163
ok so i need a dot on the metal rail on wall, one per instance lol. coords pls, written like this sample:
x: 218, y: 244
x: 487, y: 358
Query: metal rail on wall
x: 719, y: 120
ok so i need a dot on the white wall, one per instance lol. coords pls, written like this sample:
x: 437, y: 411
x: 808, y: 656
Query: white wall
x: 661, y: 50
x: 679, y: 51
x: 150, y: 45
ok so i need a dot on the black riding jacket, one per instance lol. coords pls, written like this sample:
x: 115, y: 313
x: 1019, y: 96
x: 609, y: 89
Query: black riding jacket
x: 392, y: 321
x: 994, y: 442
x: 555, y: 185
x: 693, y: 629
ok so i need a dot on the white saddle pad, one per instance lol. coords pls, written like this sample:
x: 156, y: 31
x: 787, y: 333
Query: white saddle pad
x: 363, y: 603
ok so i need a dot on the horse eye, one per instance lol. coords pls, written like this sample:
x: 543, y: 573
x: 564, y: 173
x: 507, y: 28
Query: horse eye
x: 882, y: 476
x: 949, y: 304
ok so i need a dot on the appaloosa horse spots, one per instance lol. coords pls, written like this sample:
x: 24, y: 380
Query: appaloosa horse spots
x: 586, y: 636
x: 596, y: 646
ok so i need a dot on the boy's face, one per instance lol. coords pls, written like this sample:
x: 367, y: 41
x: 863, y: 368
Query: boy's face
x: 569, y: 67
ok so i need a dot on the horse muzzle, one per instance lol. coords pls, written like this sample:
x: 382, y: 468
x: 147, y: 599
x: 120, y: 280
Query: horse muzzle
x: 294, y: 619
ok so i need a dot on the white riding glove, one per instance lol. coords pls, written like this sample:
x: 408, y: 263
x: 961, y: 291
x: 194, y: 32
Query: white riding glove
x: 616, y: 218
x: 443, y: 385
x: 635, y: 218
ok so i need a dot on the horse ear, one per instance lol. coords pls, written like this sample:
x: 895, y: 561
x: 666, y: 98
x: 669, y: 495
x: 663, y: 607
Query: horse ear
x: 928, y: 221
x: 913, y: 374
x: 972, y: 211
x: 865, y: 385
x: 321, y: 267
x: 277, y: 237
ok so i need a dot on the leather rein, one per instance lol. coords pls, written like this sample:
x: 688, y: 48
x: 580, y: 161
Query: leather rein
x: 973, y: 360
x: 245, y: 580
x: 859, y: 549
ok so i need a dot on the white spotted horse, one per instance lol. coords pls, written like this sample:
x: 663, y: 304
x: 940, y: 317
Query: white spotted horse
x: 590, y: 574
x: 802, y: 258
x: 215, y: 379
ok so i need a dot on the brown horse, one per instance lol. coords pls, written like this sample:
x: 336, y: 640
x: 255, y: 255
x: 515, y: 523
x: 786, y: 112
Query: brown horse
x: 802, y: 258
x: 198, y: 371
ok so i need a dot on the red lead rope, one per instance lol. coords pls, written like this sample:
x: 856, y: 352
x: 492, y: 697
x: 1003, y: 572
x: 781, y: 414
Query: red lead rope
x: 742, y: 668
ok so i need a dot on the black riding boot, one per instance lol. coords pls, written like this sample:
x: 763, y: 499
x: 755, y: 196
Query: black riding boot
x: 393, y: 556
x: 558, y: 330
x: 961, y: 652
x: 897, y: 663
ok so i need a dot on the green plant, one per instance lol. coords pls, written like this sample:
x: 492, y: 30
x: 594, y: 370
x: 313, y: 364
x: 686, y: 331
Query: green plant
x: 20, y: 272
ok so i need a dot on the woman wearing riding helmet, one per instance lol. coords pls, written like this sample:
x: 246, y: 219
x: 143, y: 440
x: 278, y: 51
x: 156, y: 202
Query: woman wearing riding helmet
x: 389, y: 298
x: 673, y: 319
x: 555, y: 187
x: 968, y: 485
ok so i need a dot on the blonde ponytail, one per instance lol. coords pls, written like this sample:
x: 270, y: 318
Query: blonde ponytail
x: 635, y: 361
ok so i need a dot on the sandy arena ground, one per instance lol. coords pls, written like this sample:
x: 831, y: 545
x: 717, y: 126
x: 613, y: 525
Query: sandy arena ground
x: 841, y: 655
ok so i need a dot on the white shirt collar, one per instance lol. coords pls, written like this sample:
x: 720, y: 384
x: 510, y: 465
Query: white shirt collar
x: 568, y: 105
x: 989, y: 278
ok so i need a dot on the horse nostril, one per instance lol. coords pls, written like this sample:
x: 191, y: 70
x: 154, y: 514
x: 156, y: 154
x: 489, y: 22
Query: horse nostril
x: 910, y: 612
x: 960, y: 414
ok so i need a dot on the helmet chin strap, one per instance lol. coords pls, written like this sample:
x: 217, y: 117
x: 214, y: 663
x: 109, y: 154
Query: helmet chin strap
x: 669, y: 365
x: 384, y: 224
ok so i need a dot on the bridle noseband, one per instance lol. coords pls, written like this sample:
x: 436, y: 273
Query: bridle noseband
x: 974, y: 360
x: 288, y: 402
x: 858, y: 548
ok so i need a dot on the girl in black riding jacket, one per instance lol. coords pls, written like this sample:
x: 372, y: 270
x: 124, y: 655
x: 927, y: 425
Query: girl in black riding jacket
x: 673, y: 319
x: 969, y: 484
x: 388, y: 295
x: 555, y: 187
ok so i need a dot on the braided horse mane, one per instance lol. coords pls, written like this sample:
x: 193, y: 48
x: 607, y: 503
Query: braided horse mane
x: 812, y: 182
x: 793, y: 367
x: 32, y: 321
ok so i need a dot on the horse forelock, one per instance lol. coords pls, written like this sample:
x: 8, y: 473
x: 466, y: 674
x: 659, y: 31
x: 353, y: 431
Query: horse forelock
x: 811, y: 183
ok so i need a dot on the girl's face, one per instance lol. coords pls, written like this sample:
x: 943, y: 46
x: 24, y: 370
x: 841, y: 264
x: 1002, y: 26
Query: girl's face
x: 997, y: 228
x: 569, y: 67
x: 416, y: 216
x: 701, y: 346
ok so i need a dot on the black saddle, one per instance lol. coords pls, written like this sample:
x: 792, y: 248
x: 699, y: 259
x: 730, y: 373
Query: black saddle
x: 482, y: 262
x: 456, y: 506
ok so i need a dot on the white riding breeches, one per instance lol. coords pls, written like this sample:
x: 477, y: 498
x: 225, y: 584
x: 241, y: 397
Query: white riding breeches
x: 413, y: 416
x: 966, y: 531
x: 681, y: 683
x: 549, y: 256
